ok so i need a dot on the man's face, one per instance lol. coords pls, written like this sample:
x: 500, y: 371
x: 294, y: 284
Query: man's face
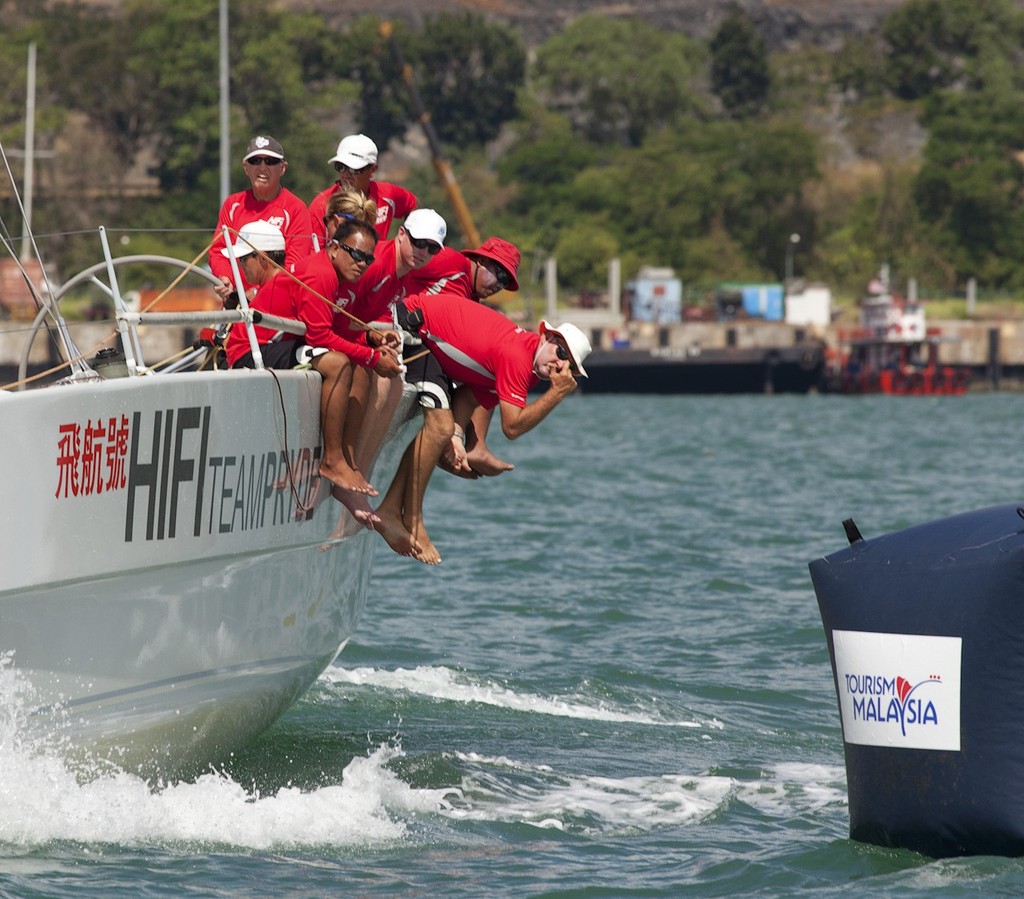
x: 489, y: 277
x: 265, y: 172
x: 551, y: 356
x: 416, y: 252
x: 355, y: 179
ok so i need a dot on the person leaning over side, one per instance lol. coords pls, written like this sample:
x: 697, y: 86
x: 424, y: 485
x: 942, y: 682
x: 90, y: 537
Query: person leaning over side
x: 420, y: 237
x: 265, y: 200
x: 311, y: 295
x: 495, y: 363
x: 356, y: 163
x: 478, y: 274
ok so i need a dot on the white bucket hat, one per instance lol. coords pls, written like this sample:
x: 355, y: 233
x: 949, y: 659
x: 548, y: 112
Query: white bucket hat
x: 256, y: 236
x: 575, y: 341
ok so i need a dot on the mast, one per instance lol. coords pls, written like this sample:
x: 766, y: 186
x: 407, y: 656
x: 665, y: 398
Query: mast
x: 225, y: 103
x: 30, y: 139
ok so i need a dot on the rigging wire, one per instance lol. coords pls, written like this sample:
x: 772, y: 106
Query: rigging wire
x: 69, y: 351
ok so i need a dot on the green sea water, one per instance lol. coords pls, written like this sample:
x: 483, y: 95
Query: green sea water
x: 616, y: 684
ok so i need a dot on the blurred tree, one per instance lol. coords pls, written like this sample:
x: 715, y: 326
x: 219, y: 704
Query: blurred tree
x: 740, y: 76
x: 935, y: 44
x: 583, y: 251
x: 469, y: 72
x: 970, y: 188
x: 383, y: 109
x: 856, y: 70
x: 617, y: 80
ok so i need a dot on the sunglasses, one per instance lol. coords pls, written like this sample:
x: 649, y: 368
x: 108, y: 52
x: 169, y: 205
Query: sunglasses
x: 421, y: 243
x: 357, y: 255
x: 561, y: 353
x: 341, y: 168
x: 264, y: 160
x: 503, y: 277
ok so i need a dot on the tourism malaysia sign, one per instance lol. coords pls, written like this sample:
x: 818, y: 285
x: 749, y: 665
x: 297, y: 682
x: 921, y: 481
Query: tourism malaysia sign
x: 900, y: 691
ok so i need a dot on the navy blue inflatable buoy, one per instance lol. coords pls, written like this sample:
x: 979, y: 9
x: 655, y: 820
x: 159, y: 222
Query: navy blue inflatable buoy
x: 925, y: 629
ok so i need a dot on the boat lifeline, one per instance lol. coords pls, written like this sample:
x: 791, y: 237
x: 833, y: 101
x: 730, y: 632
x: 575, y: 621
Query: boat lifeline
x: 176, y: 572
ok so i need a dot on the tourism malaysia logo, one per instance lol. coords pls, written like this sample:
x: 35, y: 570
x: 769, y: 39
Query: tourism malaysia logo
x: 899, y: 690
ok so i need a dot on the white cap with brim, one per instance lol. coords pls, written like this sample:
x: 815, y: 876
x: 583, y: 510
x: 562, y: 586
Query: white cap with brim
x: 575, y: 341
x: 356, y: 151
x: 256, y: 236
x: 426, y: 224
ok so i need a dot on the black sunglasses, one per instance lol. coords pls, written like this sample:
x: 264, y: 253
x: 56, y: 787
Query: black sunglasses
x: 503, y: 277
x: 561, y: 353
x: 341, y: 168
x: 266, y: 160
x: 357, y: 255
x: 422, y: 243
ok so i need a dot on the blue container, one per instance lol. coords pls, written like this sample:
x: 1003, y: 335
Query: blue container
x: 763, y: 301
x: 656, y: 300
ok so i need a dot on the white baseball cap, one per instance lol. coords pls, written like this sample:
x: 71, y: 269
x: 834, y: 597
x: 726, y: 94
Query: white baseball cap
x: 256, y: 236
x: 356, y: 151
x: 575, y: 341
x: 426, y: 224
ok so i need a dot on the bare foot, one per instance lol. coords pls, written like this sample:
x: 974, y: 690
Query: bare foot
x: 428, y: 553
x: 347, y: 478
x: 358, y: 505
x: 346, y: 527
x: 446, y: 465
x: 395, y: 535
x: 484, y: 462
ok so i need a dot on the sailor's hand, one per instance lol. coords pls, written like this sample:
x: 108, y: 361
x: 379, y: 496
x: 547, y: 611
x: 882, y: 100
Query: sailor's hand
x: 224, y: 289
x: 389, y: 338
x: 562, y: 380
x: 455, y: 454
x: 388, y: 365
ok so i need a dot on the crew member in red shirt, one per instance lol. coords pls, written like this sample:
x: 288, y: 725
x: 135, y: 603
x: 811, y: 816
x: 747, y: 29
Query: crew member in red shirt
x: 356, y: 162
x: 478, y: 274
x: 495, y: 363
x: 266, y: 200
x: 311, y: 294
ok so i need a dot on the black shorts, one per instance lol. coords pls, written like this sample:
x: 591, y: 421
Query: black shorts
x: 434, y: 389
x: 279, y: 354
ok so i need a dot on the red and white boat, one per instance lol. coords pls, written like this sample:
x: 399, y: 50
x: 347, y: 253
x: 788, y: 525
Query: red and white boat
x: 892, y: 350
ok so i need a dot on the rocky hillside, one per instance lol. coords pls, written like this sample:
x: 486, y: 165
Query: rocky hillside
x: 785, y: 23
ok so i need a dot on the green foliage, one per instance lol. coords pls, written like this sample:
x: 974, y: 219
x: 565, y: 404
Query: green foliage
x: 740, y: 76
x: 466, y: 70
x: 583, y: 250
x: 469, y: 72
x: 617, y: 80
x: 856, y: 69
x: 607, y: 145
x: 936, y: 44
x: 971, y: 184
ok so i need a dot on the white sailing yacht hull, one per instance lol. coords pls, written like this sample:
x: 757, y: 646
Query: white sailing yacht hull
x: 176, y: 572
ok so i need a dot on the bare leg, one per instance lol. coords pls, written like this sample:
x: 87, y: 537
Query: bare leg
x: 385, y: 394
x: 434, y: 436
x: 358, y: 397
x: 358, y: 505
x: 336, y: 371
x: 389, y: 512
x: 481, y: 459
